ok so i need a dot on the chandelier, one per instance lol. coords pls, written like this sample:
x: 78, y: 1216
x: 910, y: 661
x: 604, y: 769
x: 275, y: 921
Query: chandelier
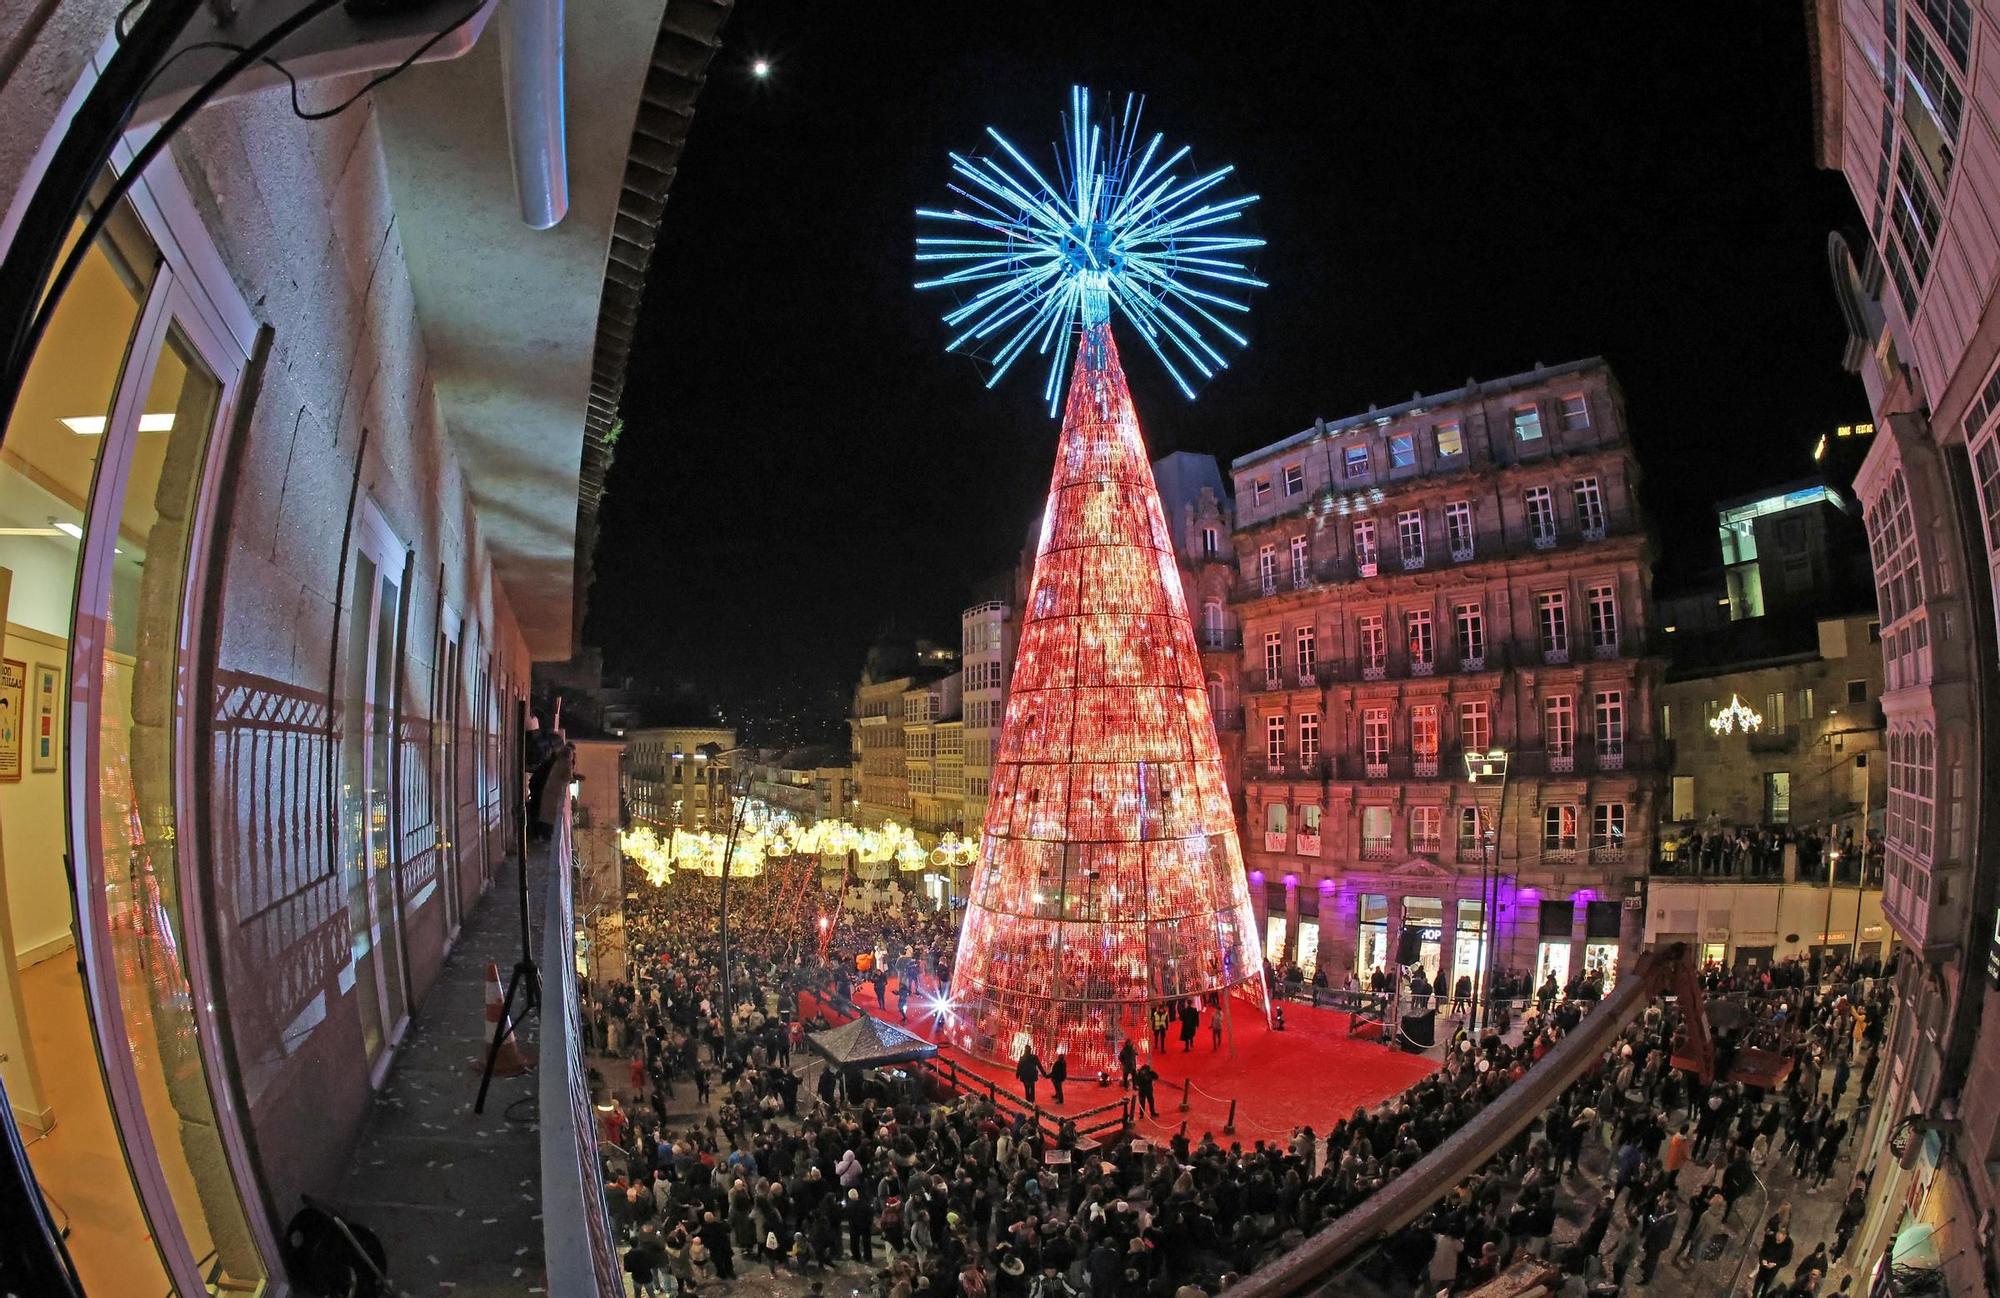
x: 1737, y: 716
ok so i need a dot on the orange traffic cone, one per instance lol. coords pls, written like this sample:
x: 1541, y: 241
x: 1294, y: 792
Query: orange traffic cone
x: 512, y: 1061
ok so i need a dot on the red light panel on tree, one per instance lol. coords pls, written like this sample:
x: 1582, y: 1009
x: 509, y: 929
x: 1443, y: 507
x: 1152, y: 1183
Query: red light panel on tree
x: 1109, y: 877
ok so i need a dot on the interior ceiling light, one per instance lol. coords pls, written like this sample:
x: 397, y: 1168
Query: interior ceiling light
x: 29, y: 531
x: 93, y: 425
x: 68, y: 529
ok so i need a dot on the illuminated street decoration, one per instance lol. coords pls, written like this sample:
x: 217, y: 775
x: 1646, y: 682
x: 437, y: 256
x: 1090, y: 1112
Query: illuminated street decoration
x: 1038, y: 261
x: 766, y: 834
x: 1737, y: 716
x: 1109, y: 877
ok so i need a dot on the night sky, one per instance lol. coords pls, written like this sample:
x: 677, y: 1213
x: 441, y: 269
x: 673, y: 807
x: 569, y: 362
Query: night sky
x: 1449, y: 191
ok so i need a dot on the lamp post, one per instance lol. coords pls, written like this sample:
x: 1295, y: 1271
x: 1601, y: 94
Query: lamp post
x: 714, y: 753
x: 1488, y: 764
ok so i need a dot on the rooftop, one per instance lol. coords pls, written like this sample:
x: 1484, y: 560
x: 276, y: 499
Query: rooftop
x: 1472, y: 390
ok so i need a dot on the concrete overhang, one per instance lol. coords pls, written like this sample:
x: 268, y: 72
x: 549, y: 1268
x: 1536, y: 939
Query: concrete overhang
x: 511, y: 315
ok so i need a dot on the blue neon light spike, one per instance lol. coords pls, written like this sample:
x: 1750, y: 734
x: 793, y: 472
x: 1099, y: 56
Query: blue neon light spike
x: 1035, y: 261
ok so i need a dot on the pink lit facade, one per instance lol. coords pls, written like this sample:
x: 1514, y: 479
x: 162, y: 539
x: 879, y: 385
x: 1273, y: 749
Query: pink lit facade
x: 1464, y: 571
x: 1907, y: 94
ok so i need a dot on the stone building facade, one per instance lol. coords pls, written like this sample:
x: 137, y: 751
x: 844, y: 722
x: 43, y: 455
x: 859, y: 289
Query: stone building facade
x: 1464, y: 571
x: 678, y: 777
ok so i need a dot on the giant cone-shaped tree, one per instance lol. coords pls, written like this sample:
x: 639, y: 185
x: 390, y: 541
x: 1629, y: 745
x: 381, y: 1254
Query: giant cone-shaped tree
x: 1109, y: 877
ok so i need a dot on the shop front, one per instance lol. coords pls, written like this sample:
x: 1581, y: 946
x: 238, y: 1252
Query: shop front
x: 1552, y: 954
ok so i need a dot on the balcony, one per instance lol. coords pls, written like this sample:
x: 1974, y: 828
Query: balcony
x: 1424, y: 768
x: 1604, y: 652
x: 1487, y: 544
x: 1375, y: 671
x: 1413, y: 562
x: 1377, y: 851
x: 1214, y: 639
x: 1562, y: 762
x: 1543, y: 541
x: 1462, y: 554
x: 1555, y: 655
x: 1592, y: 532
x: 1312, y: 770
x: 1228, y: 721
x: 1777, y: 739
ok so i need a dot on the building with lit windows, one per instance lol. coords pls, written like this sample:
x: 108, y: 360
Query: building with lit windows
x: 1460, y: 572
x: 934, y: 756
x: 1909, y: 111
x: 677, y: 777
x: 989, y: 631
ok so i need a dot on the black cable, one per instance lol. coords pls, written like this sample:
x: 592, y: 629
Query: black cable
x: 60, y: 281
x: 299, y: 110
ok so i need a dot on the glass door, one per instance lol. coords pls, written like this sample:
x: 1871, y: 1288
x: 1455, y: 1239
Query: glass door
x: 445, y: 714
x: 129, y: 773
x: 370, y: 677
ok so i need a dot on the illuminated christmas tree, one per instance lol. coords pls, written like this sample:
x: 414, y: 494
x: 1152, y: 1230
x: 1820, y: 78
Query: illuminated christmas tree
x: 1109, y: 878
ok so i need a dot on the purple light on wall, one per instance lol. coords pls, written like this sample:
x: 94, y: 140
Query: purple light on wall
x: 1326, y: 886
x: 1256, y: 876
x: 1584, y: 895
x: 1291, y: 881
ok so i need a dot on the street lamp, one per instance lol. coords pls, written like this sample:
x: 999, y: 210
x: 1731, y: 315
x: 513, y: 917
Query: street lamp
x: 1488, y: 764
x: 715, y: 753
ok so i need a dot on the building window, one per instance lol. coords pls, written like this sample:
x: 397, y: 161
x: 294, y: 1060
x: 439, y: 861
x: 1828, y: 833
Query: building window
x: 1374, y: 645
x: 1774, y: 710
x: 1354, y: 462
x: 1527, y: 422
x: 1375, y: 740
x: 1422, y: 641
x: 1683, y: 798
x: 1777, y: 797
x: 1260, y: 491
x: 1806, y: 712
x: 1475, y: 724
x: 1610, y: 729
x: 1308, y: 739
x: 1424, y: 737
x: 1469, y: 620
x: 1458, y: 529
x: 1376, y: 825
x: 1559, y: 731
x: 1471, y: 831
x: 1212, y: 624
x: 1274, y: 659
x: 1935, y: 112
x: 1607, y: 826
x: 1450, y: 439
x: 1403, y: 451
x: 1410, y: 537
x: 1541, y: 517
x: 1559, y: 829
x: 1951, y: 20
x: 1589, y: 509
x: 1857, y: 691
x: 1575, y: 413
x: 1267, y: 568
x: 1307, y: 644
x: 1301, y: 564
x: 1364, y: 546
x: 1211, y: 542
x: 1552, y: 621
x: 1426, y: 829
x: 1274, y: 742
x: 1295, y: 479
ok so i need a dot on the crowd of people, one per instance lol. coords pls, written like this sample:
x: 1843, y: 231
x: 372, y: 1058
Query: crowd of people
x: 800, y: 1170
x: 1712, y: 849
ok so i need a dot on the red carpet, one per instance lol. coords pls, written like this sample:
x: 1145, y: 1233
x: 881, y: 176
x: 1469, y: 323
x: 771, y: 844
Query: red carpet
x: 1311, y: 1073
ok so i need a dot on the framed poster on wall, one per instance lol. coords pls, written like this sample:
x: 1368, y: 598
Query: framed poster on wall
x: 13, y: 716
x: 42, y: 719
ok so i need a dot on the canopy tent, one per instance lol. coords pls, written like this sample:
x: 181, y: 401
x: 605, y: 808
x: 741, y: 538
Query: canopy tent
x: 869, y: 1043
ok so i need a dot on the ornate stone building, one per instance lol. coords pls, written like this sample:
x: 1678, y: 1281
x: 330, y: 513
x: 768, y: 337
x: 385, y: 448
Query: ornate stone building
x: 1463, y: 571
